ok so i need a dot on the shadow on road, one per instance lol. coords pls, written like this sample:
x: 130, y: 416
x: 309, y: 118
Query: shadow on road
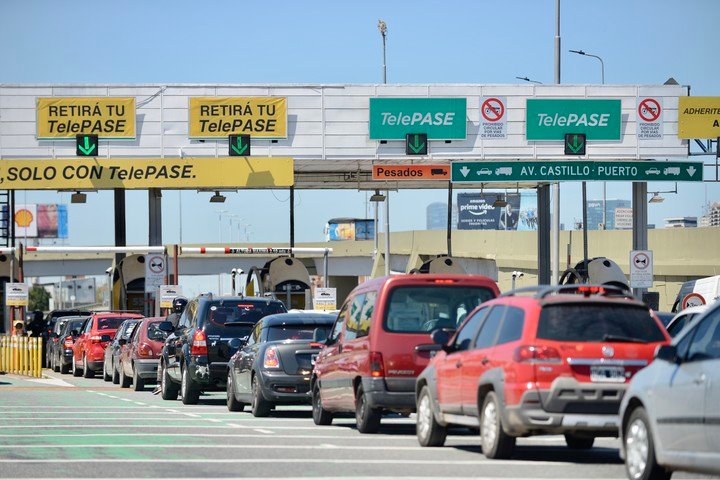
x: 563, y: 454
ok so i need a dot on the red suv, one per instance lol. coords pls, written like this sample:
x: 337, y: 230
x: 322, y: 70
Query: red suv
x: 556, y: 362
x: 89, y: 347
x: 369, y: 362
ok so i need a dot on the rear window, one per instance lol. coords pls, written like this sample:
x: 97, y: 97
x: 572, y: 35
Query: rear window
x: 73, y: 325
x: 109, y: 323
x: 154, y: 333
x: 239, y: 316
x: 421, y: 309
x: 294, y: 332
x: 588, y: 322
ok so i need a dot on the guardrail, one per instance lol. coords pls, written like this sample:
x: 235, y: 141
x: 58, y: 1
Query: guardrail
x: 21, y: 355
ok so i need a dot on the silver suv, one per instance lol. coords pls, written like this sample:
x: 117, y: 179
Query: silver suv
x: 671, y: 411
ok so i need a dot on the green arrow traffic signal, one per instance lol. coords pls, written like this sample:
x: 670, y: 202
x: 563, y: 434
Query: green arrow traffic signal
x: 574, y: 144
x: 416, y: 144
x: 86, y: 145
x: 239, y: 146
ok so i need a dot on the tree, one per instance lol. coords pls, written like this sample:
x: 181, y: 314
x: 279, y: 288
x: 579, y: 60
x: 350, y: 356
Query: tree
x: 39, y: 299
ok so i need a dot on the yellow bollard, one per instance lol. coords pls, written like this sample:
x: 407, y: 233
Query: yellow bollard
x: 38, y: 357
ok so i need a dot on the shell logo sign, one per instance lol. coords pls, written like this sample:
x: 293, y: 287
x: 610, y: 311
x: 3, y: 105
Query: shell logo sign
x: 23, y: 218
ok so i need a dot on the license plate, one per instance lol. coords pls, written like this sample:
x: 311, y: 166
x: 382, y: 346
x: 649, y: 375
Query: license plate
x: 610, y: 374
x: 313, y: 357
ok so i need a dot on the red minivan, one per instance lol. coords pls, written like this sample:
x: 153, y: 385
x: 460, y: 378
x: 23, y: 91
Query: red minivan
x: 140, y: 354
x: 369, y: 362
x: 89, y: 347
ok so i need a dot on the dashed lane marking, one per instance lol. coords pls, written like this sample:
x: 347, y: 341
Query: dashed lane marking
x: 262, y: 430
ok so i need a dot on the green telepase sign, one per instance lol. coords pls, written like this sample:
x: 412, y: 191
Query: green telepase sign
x: 552, y: 118
x: 438, y: 118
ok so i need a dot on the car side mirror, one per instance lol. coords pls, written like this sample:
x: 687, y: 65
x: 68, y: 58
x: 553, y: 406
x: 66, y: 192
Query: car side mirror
x: 166, y: 327
x: 105, y: 338
x: 440, y: 336
x: 319, y: 336
x: 667, y: 353
x: 122, y: 341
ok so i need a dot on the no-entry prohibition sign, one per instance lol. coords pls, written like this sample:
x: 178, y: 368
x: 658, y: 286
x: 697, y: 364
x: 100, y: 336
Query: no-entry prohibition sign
x: 492, y: 109
x: 649, y: 109
x: 494, y: 119
x: 649, y: 118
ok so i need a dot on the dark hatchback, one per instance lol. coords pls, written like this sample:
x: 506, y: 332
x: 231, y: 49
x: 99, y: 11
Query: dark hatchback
x: 210, y: 331
x: 275, y: 364
x: 50, y: 320
x: 60, y: 345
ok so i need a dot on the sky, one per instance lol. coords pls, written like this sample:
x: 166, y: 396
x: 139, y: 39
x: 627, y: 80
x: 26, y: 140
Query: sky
x: 479, y: 41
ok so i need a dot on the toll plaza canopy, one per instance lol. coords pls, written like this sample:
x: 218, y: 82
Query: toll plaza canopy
x: 328, y: 136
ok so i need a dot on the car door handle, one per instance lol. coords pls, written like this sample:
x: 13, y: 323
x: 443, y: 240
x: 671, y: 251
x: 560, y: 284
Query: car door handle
x: 459, y: 363
x: 485, y: 361
x: 700, y: 380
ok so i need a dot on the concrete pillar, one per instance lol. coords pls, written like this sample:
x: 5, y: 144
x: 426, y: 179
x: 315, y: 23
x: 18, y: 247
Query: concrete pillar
x: 155, y: 217
x: 543, y: 232
x: 640, y: 222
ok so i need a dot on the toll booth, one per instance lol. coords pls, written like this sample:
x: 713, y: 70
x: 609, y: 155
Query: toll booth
x: 441, y: 265
x: 5, y: 267
x: 128, y: 284
x: 284, y: 278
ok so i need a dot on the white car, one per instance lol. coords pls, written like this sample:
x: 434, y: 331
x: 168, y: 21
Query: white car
x: 683, y: 318
x: 670, y: 413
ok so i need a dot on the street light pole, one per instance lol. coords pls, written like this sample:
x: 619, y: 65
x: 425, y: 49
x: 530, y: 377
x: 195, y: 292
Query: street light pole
x: 555, y: 226
x: 382, y: 27
x: 602, y: 77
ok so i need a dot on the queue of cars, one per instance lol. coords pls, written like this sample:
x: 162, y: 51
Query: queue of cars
x: 582, y: 361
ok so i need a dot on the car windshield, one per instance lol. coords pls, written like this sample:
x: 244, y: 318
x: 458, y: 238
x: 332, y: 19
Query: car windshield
x: 237, y: 317
x: 596, y: 322
x: 109, y: 323
x: 420, y: 309
x: 294, y: 332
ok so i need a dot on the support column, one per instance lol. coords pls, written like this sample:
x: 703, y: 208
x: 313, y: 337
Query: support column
x: 292, y: 218
x: 387, y: 233
x: 543, y: 232
x: 155, y: 216
x: 640, y: 222
x: 449, y: 219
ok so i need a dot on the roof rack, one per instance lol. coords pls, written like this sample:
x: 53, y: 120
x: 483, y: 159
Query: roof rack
x: 542, y: 291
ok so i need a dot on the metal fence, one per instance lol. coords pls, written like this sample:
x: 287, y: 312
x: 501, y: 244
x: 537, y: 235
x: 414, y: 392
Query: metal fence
x: 21, y: 355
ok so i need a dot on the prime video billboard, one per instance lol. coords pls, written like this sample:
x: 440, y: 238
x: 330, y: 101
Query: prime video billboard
x: 476, y: 212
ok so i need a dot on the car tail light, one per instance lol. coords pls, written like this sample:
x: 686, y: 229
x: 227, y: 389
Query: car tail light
x: 271, y: 359
x: 144, y: 350
x: 537, y: 354
x: 199, y: 344
x: 377, y: 368
x: 445, y: 281
x: 68, y: 343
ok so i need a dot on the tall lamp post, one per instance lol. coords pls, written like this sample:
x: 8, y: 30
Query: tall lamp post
x: 382, y: 27
x: 602, y: 77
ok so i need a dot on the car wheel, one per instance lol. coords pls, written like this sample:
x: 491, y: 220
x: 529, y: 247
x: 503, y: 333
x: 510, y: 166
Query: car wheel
x: 640, y: 461
x: 125, y: 381
x: 138, y: 383
x: 429, y: 432
x: 106, y: 376
x: 87, y: 373
x: 320, y: 415
x: 495, y: 442
x: 64, y: 369
x: 168, y: 389
x: 75, y: 371
x: 56, y: 367
x: 189, y: 392
x: 579, y: 443
x: 232, y: 403
x: 366, y: 417
x: 115, y: 375
x: 259, y: 406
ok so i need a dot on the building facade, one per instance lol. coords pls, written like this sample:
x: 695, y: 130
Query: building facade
x: 595, y: 212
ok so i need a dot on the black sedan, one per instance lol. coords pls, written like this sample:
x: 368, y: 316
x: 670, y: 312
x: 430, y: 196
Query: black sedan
x: 60, y: 346
x: 274, y: 366
x: 111, y: 369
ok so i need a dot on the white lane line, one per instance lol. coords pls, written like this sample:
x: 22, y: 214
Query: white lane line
x: 338, y: 461
x: 162, y: 425
x: 126, y: 400
x: 205, y: 435
x: 140, y: 403
x: 214, y: 420
x: 55, y: 382
x: 323, y: 446
x: 262, y: 430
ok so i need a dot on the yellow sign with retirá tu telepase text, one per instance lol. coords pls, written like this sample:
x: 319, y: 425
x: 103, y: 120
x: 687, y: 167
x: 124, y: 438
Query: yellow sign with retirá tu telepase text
x: 142, y: 173
x: 66, y: 117
x: 218, y: 117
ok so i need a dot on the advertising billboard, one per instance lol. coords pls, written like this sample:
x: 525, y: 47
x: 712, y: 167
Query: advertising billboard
x: 476, y: 211
x: 41, y: 221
